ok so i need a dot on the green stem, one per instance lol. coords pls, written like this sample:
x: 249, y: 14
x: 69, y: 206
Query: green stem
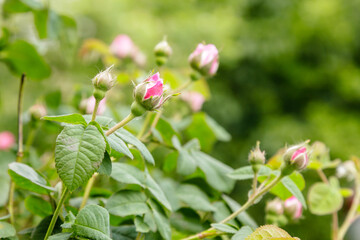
x: 120, y: 124
x: 153, y: 125
x: 145, y: 125
x: 20, y: 153
x: 254, y: 184
x: 30, y: 139
x: 212, y: 232
x: 351, y: 216
x: 93, y: 117
x: 88, y: 188
x: 56, y: 213
x: 182, y: 87
x: 138, y: 236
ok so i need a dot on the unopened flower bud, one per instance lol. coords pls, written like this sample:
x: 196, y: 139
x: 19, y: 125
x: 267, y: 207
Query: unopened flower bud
x: 257, y: 156
x: 87, y: 105
x: 163, y: 49
x: 149, y: 95
x: 275, y: 207
x: 194, y: 99
x: 103, y: 82
x: 205, y: 59
x: 319, y: 152
x: 7, y: 140
x: 37, y: 111
x: 346, y: 170
x: 295, y: 158
x: 293, y: 208
x: 122, y: 46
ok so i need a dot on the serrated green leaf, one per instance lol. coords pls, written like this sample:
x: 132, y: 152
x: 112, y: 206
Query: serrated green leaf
x: 126, y: 173
x: 117, y: 144
x: 40, y: 231
x: 224, y: 228
x: 242, y: 233
x: 169, y: 187
x: 162, y: 223
x: 186, y: 163
x: 293, y: 188
x: 243, y: 217
x: 61, y: 236
x: 221, y: 212
x: 127, y: 202
x: 215, y: 171
x: 247, y: 172
x: 74, y: 118
x: 93, y: 222
x: 267, y: 232
x: 324, y: 199
x: 131, y: 139
x: 106, y: 165
x: 220, y: 132
x: 78, y: 154
x: 38, y: 206
x: 69, y: 221
x: 140, y: 225
x: 123, y: 233
x: 22, y: 57
x: 156, y: 191
x: 97, y: 125
x: 194, y: 197
x: 27, y: 178
x: 7, y: 230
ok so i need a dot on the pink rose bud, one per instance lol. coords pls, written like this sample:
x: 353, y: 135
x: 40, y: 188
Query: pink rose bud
x: 296, y: 156
x: 293, y: 208
x: 90, y: 104
x: 7, y: 140
x: 275, y: 206
x: 194, y: 99
x: 149, y: 95
x: 37, y: 111
x: 205, y: 59
x: 122, y: 46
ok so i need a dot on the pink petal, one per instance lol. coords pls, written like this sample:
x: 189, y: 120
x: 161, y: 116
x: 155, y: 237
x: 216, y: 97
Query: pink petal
x: 122, y: 46
x: 298, y: 152
x: 197, y: 51
x: 154, y: 86
x: 194, y: 99
x: 91, y: 104
x: 214, y: 67
x: 7, y: 140
x: 209, y: 54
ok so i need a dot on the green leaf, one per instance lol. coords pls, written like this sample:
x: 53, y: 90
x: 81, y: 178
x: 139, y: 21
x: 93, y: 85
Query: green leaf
x: 123, y: 233
x: 166, y: 130
x: 280, y: 190
x: 247, y: 172
x: 126, y: 173
x: 224, y: 228
x: 169, y: 187
x: 27, y: 178
x: 69, y: 221
x: 106, y: 165
x: 22, y: 57
x: 156, y: 191
x: 61, y: 236
x: 140, y: 225
x: 97, y: 125
x: 7, y: 230
x: 74, y: 118
x: 215, y: 171
x: 220, y: 132
x: 194, y: 197
x: 221, y: 212
x: 161, y: 221
x: 131, y: 139
x: 6, y: 158
x: 93, y: 222
x: 293, y: 188
x: 78, y: 154
x: 186, y: 163
x: 242, y: 233
x: 117, y: 144
x: 269, y: 232
x: 243, y: 217
x: 38, y: 206
x: 47, y: 23
x: 346, y: 192
x: 41, y: 229
x: 15, y: 6
x: 324, y: 199
x: 127, y: 202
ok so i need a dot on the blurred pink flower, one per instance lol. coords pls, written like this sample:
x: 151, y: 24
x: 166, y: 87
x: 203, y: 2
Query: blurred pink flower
x: 194, y: 99
x: 205, y: 59
x: 154, y: 86
x: 301, y: 157
x: 122, y: 46
x: 293, y: 207
x: 90, y: 104
x: 7, y: 140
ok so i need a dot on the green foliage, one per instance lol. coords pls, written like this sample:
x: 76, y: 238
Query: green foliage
x: 78, y: 154
x: 125, y: 203
x: 324, y: 199
x: 269, y: 232
x: 38, y: 206
x: 7, y: 230
x: 74, y: 118
x: 242, y: 233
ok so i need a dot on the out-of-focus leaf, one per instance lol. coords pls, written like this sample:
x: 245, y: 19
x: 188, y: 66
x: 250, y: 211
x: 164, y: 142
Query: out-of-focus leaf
x: 78, y: 154
x: 220, y: 132
x: 194, y: 197
x: 48, y: 23
x: 27, y: 178
x: 126, y: 173
x: 74, y: 118
x: 106, y: 165
x: 127, y: 202
x: 117, y: 144
x: 22, y: 57
x: 166, y: 130
x: 346, y: 192
x: 221, y: 212
x: 243, y: 217
x: 6, y: 158
x: 242, y: 233
x: 293, y: 188
x: 247, y: 172
x: 156, y: 191
x: 38, y: 206
x: 161, y: 221
x: 224, y: 228
x: 140, y: 225
x: 123, y: 233
x: 7, y: 230
x: 170, y: 188
x: 61, y: 236
x: 271, y: 231
x: 324, y: 199
x: 41, y: 229
x: 93, y: 222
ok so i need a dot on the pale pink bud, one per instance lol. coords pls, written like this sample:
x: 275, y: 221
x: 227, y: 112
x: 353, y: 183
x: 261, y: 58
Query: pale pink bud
x: 275, y: 206
x: 7, y: 140
x: 163, y: 49
x: 104, y: 80
x: 297, y: 156
x: 293, y: 207
x: 122, y: 46
x: 205, y: 59
x: 194, y: 99
x: 90, y: 104
x: 37, y: 111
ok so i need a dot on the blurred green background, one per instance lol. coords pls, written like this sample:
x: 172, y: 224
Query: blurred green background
x: 289, y: 70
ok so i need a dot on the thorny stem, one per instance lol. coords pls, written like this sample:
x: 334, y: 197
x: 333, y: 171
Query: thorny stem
x: 351, y: 215
x: 211, y: 232
x: 20, y: 153
x: 56, y: 213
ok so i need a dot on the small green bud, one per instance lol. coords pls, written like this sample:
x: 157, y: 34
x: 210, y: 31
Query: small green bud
x: 256, y: 156
x: 160, y: 60
x: 37, y: 111
x: 137, y: 110
x: 163, y: 49
x: 104, y: 81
